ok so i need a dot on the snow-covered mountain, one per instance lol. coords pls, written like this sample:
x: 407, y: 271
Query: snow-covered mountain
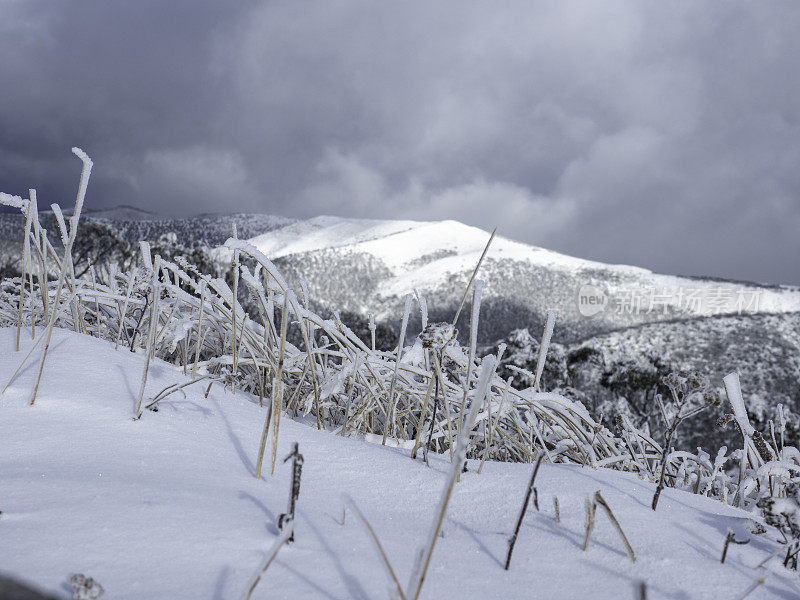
x: 370, y: 265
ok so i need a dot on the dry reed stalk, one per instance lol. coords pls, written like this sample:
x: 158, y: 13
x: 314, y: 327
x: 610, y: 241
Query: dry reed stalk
x: 599, y: 500
x: 590, y: 511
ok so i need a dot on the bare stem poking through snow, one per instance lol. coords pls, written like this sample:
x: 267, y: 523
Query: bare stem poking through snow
x: 529, y: 490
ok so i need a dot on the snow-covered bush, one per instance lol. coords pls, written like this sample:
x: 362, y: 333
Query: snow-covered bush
x: 783, y: 513
x: 689, y: 395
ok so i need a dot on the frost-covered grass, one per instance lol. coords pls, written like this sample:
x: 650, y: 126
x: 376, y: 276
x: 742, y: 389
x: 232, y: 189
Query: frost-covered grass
x: 168, y: 507
x: 187, y: 349
x: 170, y: 310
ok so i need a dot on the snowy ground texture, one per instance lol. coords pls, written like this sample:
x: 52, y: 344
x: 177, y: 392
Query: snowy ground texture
x: 168, y: 506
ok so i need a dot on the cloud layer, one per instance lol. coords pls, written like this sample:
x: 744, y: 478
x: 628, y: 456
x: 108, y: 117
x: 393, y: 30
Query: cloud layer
x: 660, y: 134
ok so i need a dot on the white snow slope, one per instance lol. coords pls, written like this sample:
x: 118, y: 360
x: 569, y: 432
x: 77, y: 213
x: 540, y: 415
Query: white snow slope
x: 168, y: 507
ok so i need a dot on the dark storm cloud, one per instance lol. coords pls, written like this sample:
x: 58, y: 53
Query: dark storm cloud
x: 660, y: 134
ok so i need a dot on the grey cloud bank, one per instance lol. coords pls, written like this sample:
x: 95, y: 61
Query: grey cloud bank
x: 665, y: 135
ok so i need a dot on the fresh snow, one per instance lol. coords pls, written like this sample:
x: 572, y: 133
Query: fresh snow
x: 168, y: 507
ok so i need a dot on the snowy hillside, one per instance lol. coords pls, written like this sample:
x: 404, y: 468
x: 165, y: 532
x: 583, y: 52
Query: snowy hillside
x: 168, y: 507
x: 369, y: 266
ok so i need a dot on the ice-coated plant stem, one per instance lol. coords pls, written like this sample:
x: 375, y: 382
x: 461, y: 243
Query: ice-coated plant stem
x: 151, y: 334
x: 199, y: 339
x: 26, y: 253
x: 264, y: 435
x: 235, y: 267
x: 473, y: 342
x: 422, y: 417
x: 277, y: 383
x: 85, y: 173
x: 392, y: 401
x: 492, y: 427
x: 128, y: 293
x: 545, y: 345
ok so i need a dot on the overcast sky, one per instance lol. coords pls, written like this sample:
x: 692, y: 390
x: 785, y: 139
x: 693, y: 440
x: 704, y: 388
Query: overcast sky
x: 661, y: 134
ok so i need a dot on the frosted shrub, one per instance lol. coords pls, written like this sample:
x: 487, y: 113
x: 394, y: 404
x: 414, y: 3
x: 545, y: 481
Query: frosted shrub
x: 784, y: 515
x: 85, y: 588
x: 690, y: 394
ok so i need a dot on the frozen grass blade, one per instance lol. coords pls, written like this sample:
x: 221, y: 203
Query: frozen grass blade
x: 151, y: 335
x: 376, y: 544
x: 392, y: 403
x: 472, y: 277
x: 473, y: 343
x: 545, y: 345
x: 85, y: 173
x: 26, y: 253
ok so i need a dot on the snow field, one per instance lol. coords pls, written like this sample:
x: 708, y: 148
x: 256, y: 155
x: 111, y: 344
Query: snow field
x: 168, y: 506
